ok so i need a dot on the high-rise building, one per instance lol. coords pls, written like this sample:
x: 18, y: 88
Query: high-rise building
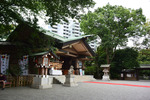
x: 71, y: 29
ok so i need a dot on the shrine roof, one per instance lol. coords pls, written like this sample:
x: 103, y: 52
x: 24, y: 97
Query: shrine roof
x: 44, y: 53
x: 5, y: 43
x: 145, y: 66
x: 63, y: 42
x: 105, y: 65
x: 61, y: 38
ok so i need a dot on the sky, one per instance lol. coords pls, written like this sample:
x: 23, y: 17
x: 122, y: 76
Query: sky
x: 134, y: 4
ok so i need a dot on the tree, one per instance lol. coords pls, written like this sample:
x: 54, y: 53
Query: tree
x: 123, y: 59
x: 146, y: 41
x: 114, y: 25
x: 144, y: 59
x: 144, y: 56
x: 5, y: 31
x: 13, y: 12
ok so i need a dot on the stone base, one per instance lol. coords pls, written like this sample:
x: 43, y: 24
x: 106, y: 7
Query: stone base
x: 42, y: 82
x: 105, y: 78
x: 70, y: 82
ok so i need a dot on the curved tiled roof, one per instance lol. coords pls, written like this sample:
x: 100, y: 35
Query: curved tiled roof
x: 61, y: 38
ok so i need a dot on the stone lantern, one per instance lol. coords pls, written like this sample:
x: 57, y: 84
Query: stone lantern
x: 106, y: 68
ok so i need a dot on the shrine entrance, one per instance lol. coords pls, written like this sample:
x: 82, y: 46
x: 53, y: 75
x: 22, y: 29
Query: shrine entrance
x: 75, y: 52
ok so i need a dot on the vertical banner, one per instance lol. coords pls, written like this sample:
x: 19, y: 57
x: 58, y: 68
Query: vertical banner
x: 4, y: 63
x: 7, y: 61
x: 25, y: 65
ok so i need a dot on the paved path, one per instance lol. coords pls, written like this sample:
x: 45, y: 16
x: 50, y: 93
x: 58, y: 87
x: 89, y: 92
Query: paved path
x: 85, y: 91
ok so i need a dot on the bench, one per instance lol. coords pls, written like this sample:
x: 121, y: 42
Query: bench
x: 7, y: 84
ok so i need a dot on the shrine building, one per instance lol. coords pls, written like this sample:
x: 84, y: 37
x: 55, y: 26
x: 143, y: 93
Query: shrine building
x: 73, y: 51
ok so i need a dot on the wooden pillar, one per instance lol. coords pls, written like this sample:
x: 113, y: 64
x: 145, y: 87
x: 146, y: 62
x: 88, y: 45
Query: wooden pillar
x: 77, y: 67
x: 46, y: 72
x: 42, y: 71
x: 83, y: 64
x: 83, y: 67
x: 39, y: 70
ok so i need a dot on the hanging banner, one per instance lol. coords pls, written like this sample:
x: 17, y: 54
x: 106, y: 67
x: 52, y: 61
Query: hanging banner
x: 23, y: 63
x: 4, y: 63
x: 7, y: 61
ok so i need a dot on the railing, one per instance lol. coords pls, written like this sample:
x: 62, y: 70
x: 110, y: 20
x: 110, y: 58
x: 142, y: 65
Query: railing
x: 20, y: 80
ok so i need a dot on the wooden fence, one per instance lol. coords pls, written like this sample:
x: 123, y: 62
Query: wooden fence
x: 20, y: 80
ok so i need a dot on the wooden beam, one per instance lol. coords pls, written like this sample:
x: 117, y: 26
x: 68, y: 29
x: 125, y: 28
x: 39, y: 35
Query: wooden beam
x: 70, y: 45
x: 86, y: 49
x: 72, y: 55
x: 71, y: 50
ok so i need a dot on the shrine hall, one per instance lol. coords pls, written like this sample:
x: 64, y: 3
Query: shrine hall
x: 73, y: 51
x: 70, y: 51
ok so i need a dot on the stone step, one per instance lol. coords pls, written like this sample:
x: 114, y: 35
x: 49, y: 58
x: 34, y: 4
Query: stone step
x: 78, y: 78
x: 83, y: 78
x: 59, y: 79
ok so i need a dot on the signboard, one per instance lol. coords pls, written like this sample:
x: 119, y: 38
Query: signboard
x: 45, y: 63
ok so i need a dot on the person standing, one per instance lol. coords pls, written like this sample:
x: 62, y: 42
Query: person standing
x: 2, y: 80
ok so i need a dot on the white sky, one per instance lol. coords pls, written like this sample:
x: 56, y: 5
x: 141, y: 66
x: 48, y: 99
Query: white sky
x: 134, y: 4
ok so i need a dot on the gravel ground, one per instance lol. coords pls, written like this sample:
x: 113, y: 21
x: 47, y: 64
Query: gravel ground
x: 84, y: 91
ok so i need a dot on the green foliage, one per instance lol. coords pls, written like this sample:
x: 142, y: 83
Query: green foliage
x: 93, y: 67
x: 90, y: 70
x: 14, y: 12
x: 146, y: 41
x: 144, y: 56
x: 144, y: 73
x: 114, y: 25
x: 5, y: 31
x: 123, y: 59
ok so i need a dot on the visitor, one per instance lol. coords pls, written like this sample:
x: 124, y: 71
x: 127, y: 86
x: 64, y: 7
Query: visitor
x: 2, y: 80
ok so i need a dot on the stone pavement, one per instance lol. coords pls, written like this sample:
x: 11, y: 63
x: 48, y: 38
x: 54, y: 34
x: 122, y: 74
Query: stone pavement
x: 84, y: 91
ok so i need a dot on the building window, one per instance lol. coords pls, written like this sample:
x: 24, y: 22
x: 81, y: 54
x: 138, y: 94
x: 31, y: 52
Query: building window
x: 66, y: 27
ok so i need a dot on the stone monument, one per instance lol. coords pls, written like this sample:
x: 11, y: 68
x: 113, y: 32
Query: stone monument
x: 106, y: 72
x: 70, y: 82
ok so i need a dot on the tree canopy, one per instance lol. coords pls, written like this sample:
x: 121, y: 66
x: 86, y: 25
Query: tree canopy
x: 114, y: 25
x: 144, y: 56
x: 124, y: 59
x: 17, y: 11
